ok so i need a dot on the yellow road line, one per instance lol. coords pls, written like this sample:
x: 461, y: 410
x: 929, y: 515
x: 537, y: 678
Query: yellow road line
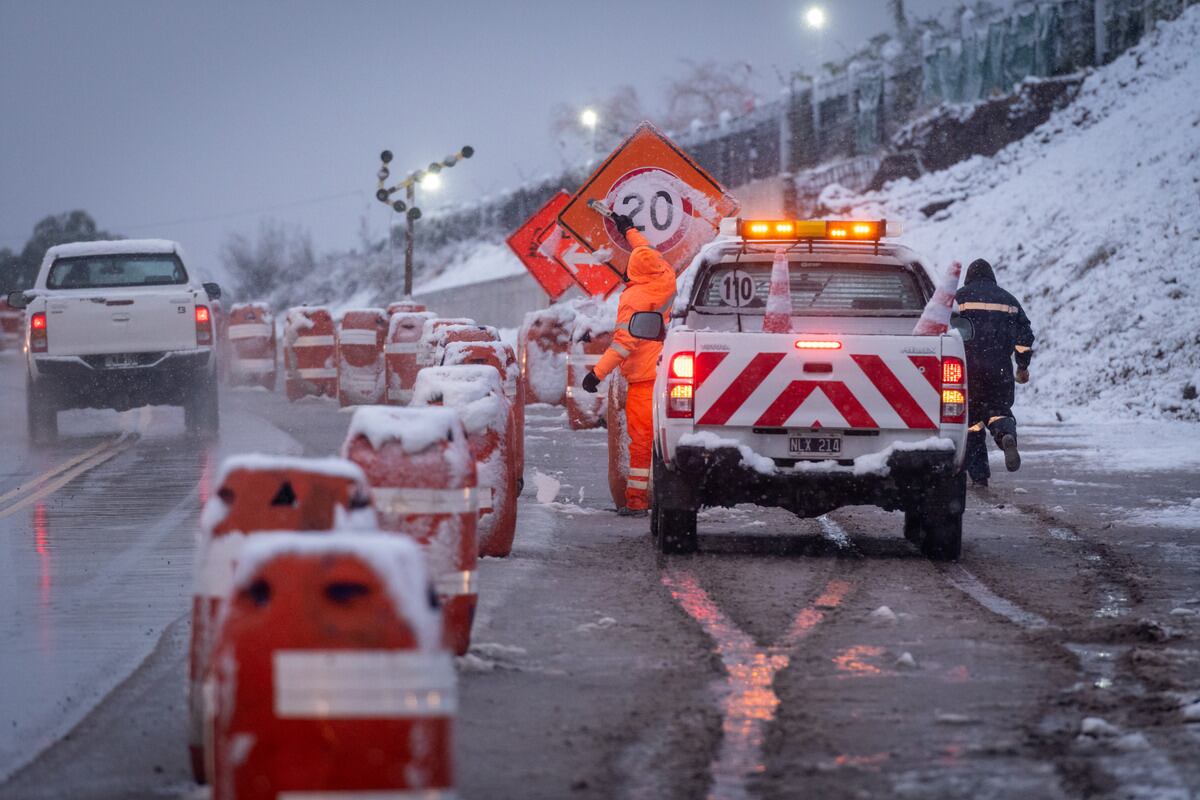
x: 114, y: 448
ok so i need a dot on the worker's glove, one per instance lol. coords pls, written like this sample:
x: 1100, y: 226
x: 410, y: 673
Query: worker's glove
x: 1023, y: 376
x: 590, y: 382
x: 624, y: 222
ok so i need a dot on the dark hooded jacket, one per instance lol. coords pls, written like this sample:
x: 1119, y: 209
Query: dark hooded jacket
x: 1002, y: 331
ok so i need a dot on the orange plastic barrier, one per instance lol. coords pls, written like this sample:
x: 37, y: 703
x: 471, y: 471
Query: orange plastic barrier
x: 448, y: 334
x: 427, y: 353
x: 544, y: 340
x: 252, y: 345
x: 500, y: 356
x: 585, y: 410
x: 220, y: 323
x: 256, y: 494
x: 309, y: 353
x: 10, y: 326
x: 423, y: 484
x: 478, y: 395
x: 328, y: 679
x: 361, y: 373
x: 405, y: 307
x: 618, y: 438
x: 401, y: 352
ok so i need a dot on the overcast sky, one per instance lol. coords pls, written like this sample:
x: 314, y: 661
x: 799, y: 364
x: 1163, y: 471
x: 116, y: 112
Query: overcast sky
x: 187, y: 120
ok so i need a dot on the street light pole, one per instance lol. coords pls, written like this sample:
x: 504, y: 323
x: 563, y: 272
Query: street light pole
x: 408, y: 205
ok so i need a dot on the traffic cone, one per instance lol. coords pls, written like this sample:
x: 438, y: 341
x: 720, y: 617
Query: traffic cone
x: 935, y: 319
x: 778, y: 318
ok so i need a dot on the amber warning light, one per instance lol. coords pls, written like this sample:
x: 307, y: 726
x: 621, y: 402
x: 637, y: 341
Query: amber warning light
x: 803, y: 229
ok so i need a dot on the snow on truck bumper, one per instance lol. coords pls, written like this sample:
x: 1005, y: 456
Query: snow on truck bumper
x: 723, y: 472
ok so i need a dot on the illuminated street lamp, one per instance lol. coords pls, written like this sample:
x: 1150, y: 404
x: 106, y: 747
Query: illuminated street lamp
x: 589, y: 118
x: 814, y: 18
x: 430, y: 180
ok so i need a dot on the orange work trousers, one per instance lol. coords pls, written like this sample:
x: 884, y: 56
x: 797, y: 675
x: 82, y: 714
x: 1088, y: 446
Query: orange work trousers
x: 639, y: 423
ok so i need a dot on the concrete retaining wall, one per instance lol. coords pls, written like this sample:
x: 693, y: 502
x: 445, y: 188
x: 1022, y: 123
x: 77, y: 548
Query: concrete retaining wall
x: 502, y: 302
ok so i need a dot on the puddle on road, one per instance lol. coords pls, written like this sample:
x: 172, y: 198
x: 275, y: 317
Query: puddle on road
x: 748, y: 700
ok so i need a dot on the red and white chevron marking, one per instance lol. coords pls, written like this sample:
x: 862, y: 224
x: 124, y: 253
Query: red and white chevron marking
x: 900, y: 391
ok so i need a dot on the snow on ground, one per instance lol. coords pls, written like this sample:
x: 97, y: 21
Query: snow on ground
x: 1093, y: 221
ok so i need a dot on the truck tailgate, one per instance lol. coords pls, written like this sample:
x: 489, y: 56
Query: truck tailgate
x: 121, y: 321
x: 768, y: 380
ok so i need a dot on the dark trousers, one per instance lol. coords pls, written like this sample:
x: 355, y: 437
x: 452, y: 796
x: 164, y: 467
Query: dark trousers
x: 984, y: 417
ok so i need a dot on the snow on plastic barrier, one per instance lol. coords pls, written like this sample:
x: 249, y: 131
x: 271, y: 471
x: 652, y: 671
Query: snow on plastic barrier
x: 447, y: 334
x: 545, y: 338
x: 361, y: 371
x: 328, y: 678
x: 502, y: 357
x: 250, y: 334
x: 477, y: 393
x: 401, y: 353
x: 309, y: 352
x: 423, y: 484
x: 591, y: 334
x: 618, y: 438
x: 427, y: 352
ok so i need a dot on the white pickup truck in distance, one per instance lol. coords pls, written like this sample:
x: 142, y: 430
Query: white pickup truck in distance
x: 846, y: 408
x: 118, y: 325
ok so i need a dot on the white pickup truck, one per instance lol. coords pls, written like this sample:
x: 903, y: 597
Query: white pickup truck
x: 847, y: 408
x: 118, y: 325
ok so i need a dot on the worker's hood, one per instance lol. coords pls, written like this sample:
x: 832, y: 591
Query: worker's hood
x: 980, y: 270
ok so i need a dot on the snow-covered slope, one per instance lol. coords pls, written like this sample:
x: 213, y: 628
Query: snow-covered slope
x: 1093, y: 221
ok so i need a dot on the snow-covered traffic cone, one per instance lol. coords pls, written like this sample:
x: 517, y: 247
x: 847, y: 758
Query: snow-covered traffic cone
x: 935, y: 319
x: 778, y: 318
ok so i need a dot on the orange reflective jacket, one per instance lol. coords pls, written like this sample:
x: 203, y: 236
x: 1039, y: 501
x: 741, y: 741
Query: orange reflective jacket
x: 651, y: 287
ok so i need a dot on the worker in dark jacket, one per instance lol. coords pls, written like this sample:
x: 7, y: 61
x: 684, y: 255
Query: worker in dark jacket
x: 1002, y: 333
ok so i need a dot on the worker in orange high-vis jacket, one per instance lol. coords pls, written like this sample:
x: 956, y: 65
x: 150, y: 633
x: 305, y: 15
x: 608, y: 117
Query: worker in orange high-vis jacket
x: 650, y: 286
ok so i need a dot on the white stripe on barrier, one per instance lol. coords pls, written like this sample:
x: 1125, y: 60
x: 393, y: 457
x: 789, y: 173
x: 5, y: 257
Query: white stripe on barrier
x: 583, y: 358
x: 358, y: 336
x: 401, y: 347
x: 214, y: 570
x: 249, y: 330
x: 403, y: 396
x: 487, y: 498
x: 317, y: 372
x: 364, y: 684
x: 634, y: 483
x: 372, y: 794
x: 453, y: 584
x: 394, y: 500
x: 639, y: 473
x: 253, y: 366
x: 313, y: 341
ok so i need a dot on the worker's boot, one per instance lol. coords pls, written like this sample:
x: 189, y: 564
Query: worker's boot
x: 626, y: 511
x: 1012, y: 458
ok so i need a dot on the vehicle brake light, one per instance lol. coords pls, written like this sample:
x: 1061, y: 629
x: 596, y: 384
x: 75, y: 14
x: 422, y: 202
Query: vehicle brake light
x: 203, y: 325
x: 680, y: 392
x: 954, y: 390
x: 808, y: 344
x: 39, y: 341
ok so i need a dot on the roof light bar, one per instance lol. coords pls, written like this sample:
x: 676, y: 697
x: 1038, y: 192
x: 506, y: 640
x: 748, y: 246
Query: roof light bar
x: 776, y: 230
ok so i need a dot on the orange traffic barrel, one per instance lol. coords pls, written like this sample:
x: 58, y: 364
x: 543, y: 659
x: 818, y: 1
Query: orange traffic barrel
x: 401, y: 350
x: 618, y: 438
x: 309, y: 353
x: 422, y: 477
x: 405, y: 307
x: 361, y: 374
x: 252, y: 345
x: 448, y: 334
x: 258, y: 493
x: 500, y: 356
x: 477, y: 394
x: 591, y: 334
x: 10, y: 326
x: 328, y: 678
x: 428, y: 348
x: 544, y: 341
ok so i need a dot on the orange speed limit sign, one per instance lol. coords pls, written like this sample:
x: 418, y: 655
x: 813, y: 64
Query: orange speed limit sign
x: 675, y: 203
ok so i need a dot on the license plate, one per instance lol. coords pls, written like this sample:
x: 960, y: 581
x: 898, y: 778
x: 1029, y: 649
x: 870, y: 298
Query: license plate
x: 120, y: 361
x: 816, y: 445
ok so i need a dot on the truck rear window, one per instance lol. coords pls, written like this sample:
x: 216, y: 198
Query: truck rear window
x: 816, y: 287
x: 102, y: 272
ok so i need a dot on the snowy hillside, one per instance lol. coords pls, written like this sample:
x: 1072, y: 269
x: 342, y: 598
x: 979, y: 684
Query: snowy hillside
x: 1093, y: 221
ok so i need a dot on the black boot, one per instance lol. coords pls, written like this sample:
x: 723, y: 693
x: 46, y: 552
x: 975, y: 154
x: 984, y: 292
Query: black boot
x: 1012, y: 459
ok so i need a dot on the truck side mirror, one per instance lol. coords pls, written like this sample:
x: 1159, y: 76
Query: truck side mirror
x: 647, y: 325
x: 964, y: 327
x: 17, y: 300
x: 213, y: 291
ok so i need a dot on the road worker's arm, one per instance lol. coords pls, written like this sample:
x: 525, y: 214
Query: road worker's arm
x: 622, y: 341
x: 1024, y: 339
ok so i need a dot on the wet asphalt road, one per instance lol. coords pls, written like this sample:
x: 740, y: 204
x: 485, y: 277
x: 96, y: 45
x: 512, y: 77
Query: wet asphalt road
x: 790, y: 658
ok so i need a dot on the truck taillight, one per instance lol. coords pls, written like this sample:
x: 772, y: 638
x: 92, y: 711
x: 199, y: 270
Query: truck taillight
x: 954, y: 390
x: 38, y: 335
x: 203, y: 325
x: 680, y: 393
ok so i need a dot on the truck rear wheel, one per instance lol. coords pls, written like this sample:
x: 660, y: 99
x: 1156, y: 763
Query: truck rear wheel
x: 672, y: 512
x: 41, y: 415
x: 201, y: 415
x: 938, y: 515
